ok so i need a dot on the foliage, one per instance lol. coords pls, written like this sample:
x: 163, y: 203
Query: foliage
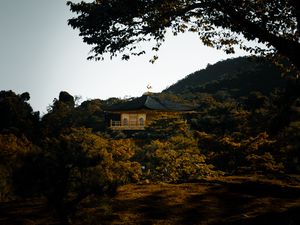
x: 241, y: 154
x: 166, y: 125
x: 284, y: 105
x: 255, y: 100
x: 290, y: 145
x: 175, y: 159
x: 17, y: 116
x: 122, y: 168
x: 12, y: 152
x: 264, y: 163
x: 76, y: 164
x: 169, y: 153
x: 246, y: 95
x: 120, y: 26
x: 238, y: 77
x: 89, y: 114
x: 63, y: 114
x: 220, y: 117
x: 58, y: 116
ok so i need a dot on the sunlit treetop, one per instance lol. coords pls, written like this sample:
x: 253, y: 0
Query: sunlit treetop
x: 117, y: 27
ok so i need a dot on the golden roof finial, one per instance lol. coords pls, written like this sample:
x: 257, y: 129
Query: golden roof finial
x: 149, y: 87
x: 148, y: 92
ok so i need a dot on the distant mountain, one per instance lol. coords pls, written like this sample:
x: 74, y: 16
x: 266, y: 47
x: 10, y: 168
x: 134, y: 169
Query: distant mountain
x: 236, y: 77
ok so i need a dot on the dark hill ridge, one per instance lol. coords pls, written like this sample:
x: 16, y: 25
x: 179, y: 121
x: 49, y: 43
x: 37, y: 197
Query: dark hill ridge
x: 238, y: 76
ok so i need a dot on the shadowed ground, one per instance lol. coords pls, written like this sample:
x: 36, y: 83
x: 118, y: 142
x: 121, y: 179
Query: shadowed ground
x: 230, y: 201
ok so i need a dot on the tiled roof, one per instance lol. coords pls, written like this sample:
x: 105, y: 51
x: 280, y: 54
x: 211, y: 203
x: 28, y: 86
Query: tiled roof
x: 151, y: 103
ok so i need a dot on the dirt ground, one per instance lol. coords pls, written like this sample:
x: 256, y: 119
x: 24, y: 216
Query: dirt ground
x: 228, y: 201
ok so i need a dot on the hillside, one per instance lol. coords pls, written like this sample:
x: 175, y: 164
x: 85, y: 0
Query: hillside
x: 238, y: 77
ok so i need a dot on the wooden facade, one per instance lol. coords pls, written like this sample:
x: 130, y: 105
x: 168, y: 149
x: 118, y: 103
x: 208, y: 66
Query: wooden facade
x: 131, y: 120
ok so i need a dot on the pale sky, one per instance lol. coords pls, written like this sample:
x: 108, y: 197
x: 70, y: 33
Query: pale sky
x: 41, y: 54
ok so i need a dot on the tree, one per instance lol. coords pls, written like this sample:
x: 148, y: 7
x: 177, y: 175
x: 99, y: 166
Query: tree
x: 255, y: 100
x: 59, y: 115
x: 119, y: 26
x: 74, y: 165
x: 290, y: 145
x: 175, y: 159
x: 237, y: 154
x: 17, y: 116
x: 13, y: 149
x: 167, y: 125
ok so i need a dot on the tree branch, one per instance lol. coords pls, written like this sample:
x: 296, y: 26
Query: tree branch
x: 285, y: 47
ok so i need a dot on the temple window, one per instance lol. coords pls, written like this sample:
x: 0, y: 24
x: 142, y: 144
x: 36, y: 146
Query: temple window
x: 125, y: 122
x: 141, y: 122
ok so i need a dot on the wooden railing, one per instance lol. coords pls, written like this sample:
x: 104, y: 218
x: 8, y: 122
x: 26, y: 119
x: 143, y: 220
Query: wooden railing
x: 117, y: 125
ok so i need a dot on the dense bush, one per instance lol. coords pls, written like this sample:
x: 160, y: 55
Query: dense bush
x: 13, y: 150
x: 176, y: 159
x: 236, y: 154
x: 76, y: 164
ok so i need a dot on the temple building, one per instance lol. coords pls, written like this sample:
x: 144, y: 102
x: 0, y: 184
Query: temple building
x: 136, y: 114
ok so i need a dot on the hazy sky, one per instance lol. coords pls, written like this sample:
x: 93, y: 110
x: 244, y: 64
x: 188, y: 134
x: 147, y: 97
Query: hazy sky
x: 41, y: 54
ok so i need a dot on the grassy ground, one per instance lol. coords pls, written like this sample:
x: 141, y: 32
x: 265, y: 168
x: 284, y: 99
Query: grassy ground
x: 231, y: 200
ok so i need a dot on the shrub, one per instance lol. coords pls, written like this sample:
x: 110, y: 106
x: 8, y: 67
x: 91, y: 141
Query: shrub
x: 176, y: 159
